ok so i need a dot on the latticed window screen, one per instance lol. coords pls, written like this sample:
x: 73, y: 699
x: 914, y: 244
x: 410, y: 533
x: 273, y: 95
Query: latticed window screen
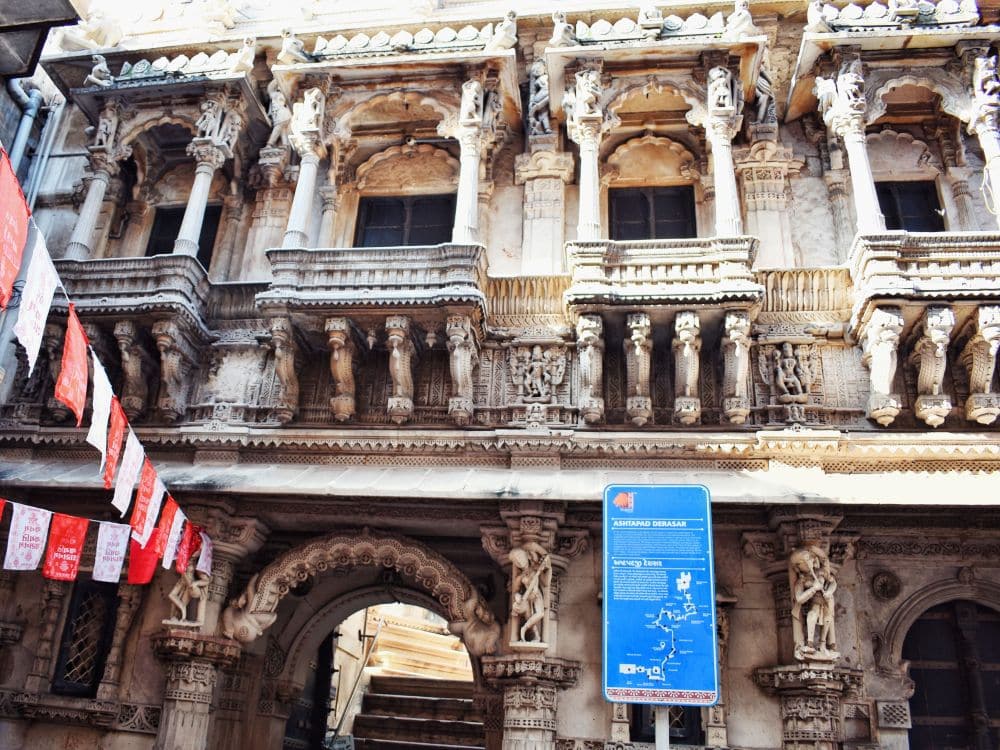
x: 85, y: 639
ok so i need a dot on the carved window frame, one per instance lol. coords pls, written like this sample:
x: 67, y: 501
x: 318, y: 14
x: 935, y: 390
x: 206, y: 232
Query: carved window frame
x: 83, y: 592
x: 925, y: 168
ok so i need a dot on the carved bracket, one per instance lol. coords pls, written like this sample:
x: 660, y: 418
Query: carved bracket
x: 979, y: 358
x: 463, y: 349
x: 880, y: 343
x: 638, y: 358
x: 178, y: 354
x: 736, y: 367
x: 687, y: 366
x: 590, y: 351
x: 930, y: 357
x: 343, y: 350
x: 402, y: 361
x: 286, y: 401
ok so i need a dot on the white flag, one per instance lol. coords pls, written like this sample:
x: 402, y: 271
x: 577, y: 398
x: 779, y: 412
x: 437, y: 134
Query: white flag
x: 29, y: 531
x: 205, y: 556
x: 97, y: 435
x: 128, y: 472
x: 112, y: 544
x: 173, y: 539
x: 152, y: 514
x: 39, y: 285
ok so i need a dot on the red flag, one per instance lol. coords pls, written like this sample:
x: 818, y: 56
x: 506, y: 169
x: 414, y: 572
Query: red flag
x: 3, y: 504
x: 116, y: 433
x: 190, y: 543
x: 147, y: 481
x: 62, y: 556
x: 13, y: 228
x: 71, y: 388
x: 142, y: 560
x: 166, y: 521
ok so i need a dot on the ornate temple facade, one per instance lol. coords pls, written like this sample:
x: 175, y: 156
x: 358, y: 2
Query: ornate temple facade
x: 391, y: 291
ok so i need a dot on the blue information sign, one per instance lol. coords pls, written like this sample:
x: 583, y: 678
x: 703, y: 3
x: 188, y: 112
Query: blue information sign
x: 659, y: 596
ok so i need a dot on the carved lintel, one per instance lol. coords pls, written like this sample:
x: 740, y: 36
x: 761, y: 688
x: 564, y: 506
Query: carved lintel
x: 880, y: 344
x: 181, y: 645
x: 930, y: 357
x: 638, y: 357
x: 499, y: 670
x: 402, y: 360
x: 463, y: 352
x: 286, y: 403
x: 342, y: 352
x: 687, y: 361
x: 590, y: 351
x: 736, y: 367
x: 979, y: 359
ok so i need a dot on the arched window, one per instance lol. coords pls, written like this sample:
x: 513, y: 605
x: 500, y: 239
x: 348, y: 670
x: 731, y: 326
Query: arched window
x: 954, y: 654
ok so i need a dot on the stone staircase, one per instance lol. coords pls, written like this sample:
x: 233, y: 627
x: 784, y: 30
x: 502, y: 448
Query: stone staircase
x: 410, y: 713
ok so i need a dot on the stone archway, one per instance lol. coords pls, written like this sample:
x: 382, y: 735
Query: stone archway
x: 255, y: 610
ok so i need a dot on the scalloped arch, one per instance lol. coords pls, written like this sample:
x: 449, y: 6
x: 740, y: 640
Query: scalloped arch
x: 619, y: 92
x: 438, y: 167
x: 980, y: 592
x: 684, y: 160
x: 140, y: 127
x: 347, y: 112
x: 955, y: 98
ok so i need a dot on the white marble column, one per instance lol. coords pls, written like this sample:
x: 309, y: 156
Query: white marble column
x: 208, y: 158
x: 79, y: 247
x: 328, y: 216
x: 310, y: 151
x: 725, y: 105
x: 585, y: 128
x: 466, y: 228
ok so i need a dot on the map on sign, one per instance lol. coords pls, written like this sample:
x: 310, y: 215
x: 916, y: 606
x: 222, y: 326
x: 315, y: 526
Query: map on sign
x: 659, y: 596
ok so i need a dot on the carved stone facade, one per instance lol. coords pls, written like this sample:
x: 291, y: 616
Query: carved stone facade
x: 391, y: 292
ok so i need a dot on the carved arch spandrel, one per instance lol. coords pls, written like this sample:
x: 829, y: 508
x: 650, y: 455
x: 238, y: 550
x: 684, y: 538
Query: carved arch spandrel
x: 131, y: 129
x: 425, y: 167
x: 955, y: 95
x: 344, y: 112
x: 899, y: 154
x: 622, y: 89
x: 631, y: 162
x: 248, y: 616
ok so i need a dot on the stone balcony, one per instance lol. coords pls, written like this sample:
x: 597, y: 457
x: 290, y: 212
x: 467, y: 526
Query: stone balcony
x: 710, y: 271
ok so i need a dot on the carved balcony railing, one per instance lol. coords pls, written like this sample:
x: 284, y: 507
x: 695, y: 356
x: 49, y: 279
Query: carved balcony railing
x: 337, y: 279
x: 175, y: 285
x: 703, y: 271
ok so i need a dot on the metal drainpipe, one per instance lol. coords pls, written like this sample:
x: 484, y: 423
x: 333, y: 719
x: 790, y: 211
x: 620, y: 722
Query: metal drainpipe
x: 30, y: 104
x: 52, y: 123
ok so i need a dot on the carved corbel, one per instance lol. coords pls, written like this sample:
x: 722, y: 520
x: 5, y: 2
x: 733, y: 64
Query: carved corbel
x: 880, y: 344
x: 135, y: 362
x: 687, y: 360
x: 464, y: 358
x: 176, y: 358
x: 736, y: 367
x: 979, y: 357
x: 52, y: 343
x: 930, y: 357
x: 342, y: 353
x: 638, y: 358
x: 402, y: 360
x: 286, y: 404
x: 590, y: 351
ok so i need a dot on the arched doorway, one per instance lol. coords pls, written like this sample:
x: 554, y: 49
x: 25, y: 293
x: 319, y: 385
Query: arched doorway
x: 954, y: 653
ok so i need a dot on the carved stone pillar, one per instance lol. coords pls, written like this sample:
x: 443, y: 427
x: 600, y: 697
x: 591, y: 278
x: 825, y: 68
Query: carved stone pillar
x: 979, y: 357
x: 930, y: 357
x: 736, y: 367
x: 544, y: 175
x: 725, y: 107
x: 810, y: 698
x: 880, y: 343
x: 842, y: 104
x: 530, y: 688
x: 836, y: 186
x: 286, y: 403
x: 638, y: 358
x: 102, y: 169
x: 53, y: 595
x: 985, y: 119
x: 208, y: 156
x: 463, y: 350
x: 234, y: 539
x: 585, y: 128
x: 590, y: 354
x: 687, y: 367
x: 402, y: 360
x: 966, y: 219
x: 342, y: 353
x: 232, y: 217
x: 129, y: 599
x: 176, y: 358
x: 307, y: 139
x: 328, y: 216
x: 192, y: 666
x: 135, y: 369
x: 763, y: 171
x: 470, y: 140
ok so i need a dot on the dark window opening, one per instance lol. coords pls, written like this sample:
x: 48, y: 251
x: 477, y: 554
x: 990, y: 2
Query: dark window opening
x: 685, y: 724
x: 86, y: 639
x: 417, y: 220
x: 658, y: 213
x: 954, y: 655
x: 167, y: 225
x: 912, y: 206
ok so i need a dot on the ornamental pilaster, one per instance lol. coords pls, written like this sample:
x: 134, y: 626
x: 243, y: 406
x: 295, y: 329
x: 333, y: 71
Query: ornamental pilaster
x: 979, y: 357
x: 590, y: 355
x: 763, y: 171
x: 192, y: 664
x: 129, y: 599
x: 638, y: 347
x: 463, y: 358
x: 930, y: 359
x: 544, y: 175
x: 343, y: 350
x: 880, y: 347
x: 53, y: 595
x: 585, y: 126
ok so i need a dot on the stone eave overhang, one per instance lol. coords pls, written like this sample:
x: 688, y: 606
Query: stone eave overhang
x: 669, y: 458
x: 652, y: 54
x: 885, y: 43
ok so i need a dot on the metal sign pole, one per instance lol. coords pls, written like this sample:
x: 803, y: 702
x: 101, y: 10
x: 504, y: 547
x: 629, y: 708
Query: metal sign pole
x: 662, y: 727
